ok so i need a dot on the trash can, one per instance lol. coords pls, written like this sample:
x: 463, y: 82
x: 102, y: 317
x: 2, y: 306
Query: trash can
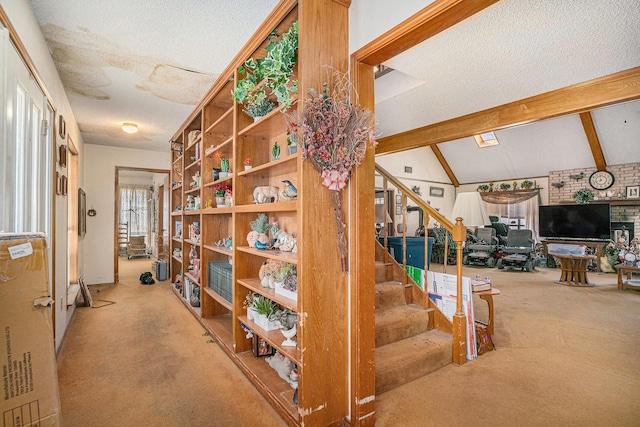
x: 415, y: 250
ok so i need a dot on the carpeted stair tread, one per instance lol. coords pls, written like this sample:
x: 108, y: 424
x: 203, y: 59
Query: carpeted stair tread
x: 403, y: 361
x: 389, y: 294
x: 399, y: 323
x: 382, y: 269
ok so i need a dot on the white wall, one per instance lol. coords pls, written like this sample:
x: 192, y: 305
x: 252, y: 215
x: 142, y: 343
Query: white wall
x: 100, y: 172
x: 28, y: 30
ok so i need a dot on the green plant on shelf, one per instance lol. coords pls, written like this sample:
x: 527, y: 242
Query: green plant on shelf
x: 261, y: 224
x: 264, y: 306
x: 583, y: 196
x: 275, y: 151
x: 224, y: 164
x: 271, y: 73
x: 287, y: 269
x: 526, y: 184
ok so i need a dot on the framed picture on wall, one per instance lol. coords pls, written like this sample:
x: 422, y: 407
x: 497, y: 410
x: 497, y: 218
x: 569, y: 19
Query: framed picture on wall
x: 62, y: 155
x: 398, y: 199
x: 633, y: 191
x: 436, y: 191
x: 58, y: 184
x: 62, y: 127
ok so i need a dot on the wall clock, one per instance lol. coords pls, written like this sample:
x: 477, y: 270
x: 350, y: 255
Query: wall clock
x: 601, y: 180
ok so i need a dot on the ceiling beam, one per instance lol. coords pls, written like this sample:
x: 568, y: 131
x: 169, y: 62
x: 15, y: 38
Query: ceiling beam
x: 594, y: 141
x: 445, y: 165
x: 433, y: 19
x: 611, y: 89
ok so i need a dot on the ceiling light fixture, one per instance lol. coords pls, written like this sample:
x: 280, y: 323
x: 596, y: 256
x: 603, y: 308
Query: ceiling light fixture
x: 130, y: 127
x: 486, y: 139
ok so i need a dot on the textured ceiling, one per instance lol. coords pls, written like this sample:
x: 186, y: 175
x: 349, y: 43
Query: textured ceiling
x: 150, y: 62
x: 147, y: 61
x: 513, y: 50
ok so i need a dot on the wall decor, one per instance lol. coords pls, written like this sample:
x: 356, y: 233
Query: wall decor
x: 82, y: 212
x: 62, y: 127
x: 398, y: 209
x: 62, y: 155
x: 633, y: 191
x: 398, y: 199
x: 58, y: 184
x: 436, y: 191
x: 63, y: 185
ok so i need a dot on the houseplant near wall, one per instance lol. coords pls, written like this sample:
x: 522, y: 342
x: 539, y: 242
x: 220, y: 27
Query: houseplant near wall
x: 259, y: 229
x: 219, y: 191
x: 271, y: 75
x: 583, y: 196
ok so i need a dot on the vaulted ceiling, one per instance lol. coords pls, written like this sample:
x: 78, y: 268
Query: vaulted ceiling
x: 150, y: 62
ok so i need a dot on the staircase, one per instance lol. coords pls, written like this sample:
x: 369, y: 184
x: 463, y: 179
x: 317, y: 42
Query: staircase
x: 406, y: 346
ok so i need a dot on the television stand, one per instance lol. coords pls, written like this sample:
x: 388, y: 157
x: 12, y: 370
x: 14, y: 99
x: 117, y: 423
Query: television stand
x: 597, y: 244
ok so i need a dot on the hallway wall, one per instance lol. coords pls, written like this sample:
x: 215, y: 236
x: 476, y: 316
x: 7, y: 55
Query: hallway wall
x: 100, y: 171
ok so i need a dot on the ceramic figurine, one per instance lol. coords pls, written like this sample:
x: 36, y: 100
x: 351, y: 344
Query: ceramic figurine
x: 290, y: 192
x: 265, y: 194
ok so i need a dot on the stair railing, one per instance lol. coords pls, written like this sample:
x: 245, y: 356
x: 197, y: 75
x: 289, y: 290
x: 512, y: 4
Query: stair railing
x: 459, y: 233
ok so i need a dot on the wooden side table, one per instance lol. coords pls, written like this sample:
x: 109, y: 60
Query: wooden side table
x: 629, y: 270
x: 488, y: 297
x: 574, y: 269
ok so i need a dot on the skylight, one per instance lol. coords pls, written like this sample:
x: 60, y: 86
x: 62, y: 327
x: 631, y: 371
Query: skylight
x: 486, y: 139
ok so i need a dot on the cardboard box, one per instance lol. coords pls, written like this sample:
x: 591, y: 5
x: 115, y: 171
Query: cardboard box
x: 29, y: 391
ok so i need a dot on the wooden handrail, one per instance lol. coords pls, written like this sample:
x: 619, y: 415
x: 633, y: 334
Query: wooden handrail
x: 459, y: 234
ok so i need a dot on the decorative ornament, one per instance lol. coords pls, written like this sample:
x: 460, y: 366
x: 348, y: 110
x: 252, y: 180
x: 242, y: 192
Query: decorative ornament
x: 333, y: 134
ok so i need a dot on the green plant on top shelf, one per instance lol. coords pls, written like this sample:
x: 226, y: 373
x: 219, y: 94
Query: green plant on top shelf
x: 285, y: 271
x: 504, y: 186
x: 526, y: 184
x: 275, y: 151
x: 483, y: 187
x: 224, y: 164
x: 272, y: 72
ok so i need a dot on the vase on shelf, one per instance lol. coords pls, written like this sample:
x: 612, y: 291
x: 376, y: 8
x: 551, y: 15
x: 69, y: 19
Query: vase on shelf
x: 220, y: 202
x: 251, y: 313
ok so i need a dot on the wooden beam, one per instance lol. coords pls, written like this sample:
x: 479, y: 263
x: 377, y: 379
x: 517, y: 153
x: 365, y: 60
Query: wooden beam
x: 607, y: 90
x: 445, y: 165
x: 594, y: 141
x: 433, y: 19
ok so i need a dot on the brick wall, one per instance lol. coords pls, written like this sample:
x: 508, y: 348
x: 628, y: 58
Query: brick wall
x: 625, y: 174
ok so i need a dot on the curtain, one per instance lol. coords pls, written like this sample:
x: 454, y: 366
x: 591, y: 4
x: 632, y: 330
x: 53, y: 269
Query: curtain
x: 133, y: 208
x: 528, y: 210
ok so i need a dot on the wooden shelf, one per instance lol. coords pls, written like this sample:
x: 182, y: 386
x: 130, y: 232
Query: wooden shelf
x: 195, y: 141
x: 193, y: 242
x: 213, y: 294
x: 286, y: 164
x: 220, y: 250
x: 177, y: 239
x: 220, y: 328
x: 176, y: 187
x: 268, y: 207
x: 217, y: 211
x: 225, y: 147
x: 177, y: 258
x: 222, y: 118
x: 270, y: 253
x: 178, y: 213
x: 268, y: 126
x: 274, y: 338
x: 191, y: 212
x: 254, y: 285
x: 196, y: 311
x: 191, y: 165
x: 192, y: 279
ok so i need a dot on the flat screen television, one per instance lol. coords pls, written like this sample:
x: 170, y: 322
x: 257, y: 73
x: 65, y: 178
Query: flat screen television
x: 591, y: 221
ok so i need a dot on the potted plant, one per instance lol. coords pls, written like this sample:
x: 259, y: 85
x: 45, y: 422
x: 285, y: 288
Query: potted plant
x: 271, y: 74
x: 583, y: 196
x: 505, y: 186
x: 219, y: 191
x: 247, y: 163
x: 275, y: 151
x: 526, y: 184
x: 259, y: 229
x: 286, y: 281
x: 265, y: 308
x: 291, y: 144
x: 250, y: 304
x: 483, y: 187
x: 224, y: 167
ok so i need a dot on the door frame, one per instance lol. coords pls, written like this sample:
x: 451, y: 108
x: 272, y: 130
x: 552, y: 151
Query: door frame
x: 116, y: 201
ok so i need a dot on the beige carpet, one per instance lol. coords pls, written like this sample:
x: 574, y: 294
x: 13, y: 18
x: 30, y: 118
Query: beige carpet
x: 565, y: 357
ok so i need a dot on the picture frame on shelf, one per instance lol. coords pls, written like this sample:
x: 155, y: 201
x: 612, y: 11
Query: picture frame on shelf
x: 633, y: 191
x: 261, y: 348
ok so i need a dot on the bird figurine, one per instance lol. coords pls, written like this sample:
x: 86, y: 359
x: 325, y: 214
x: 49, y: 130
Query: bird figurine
x: 261, y: 246
x: 290, y: 192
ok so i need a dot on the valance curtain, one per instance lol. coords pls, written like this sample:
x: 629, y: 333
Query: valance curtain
x: 133, y: 208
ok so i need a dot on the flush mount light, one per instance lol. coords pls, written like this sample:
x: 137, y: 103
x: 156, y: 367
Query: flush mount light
x: 130, y: 127
x: 486, y: 139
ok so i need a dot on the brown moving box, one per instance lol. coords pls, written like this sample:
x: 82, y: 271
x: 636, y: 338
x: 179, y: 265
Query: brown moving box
x: 29, y: 391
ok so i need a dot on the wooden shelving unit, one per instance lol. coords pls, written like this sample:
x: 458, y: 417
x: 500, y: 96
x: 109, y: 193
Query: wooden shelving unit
x: 219, y: 127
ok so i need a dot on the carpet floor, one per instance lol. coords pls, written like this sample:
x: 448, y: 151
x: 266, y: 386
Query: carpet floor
x: 564, y: 356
